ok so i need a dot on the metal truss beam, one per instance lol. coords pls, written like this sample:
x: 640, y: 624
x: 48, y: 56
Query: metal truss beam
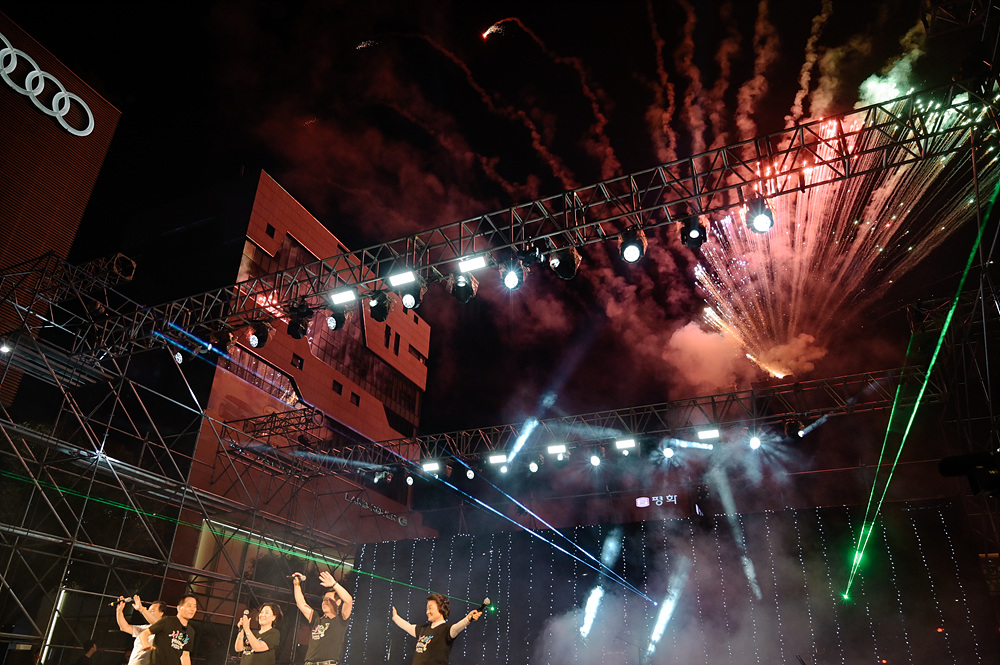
x: 882, y: 136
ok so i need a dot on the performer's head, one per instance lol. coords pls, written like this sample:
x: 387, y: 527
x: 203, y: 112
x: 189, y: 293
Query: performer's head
x: 187, y: 607
x: 155, y: 610
x: 437, y: 604
x: 331, y: 603
x: 270, y: 614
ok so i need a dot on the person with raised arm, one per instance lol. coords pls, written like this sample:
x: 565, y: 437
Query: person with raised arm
x: 436, y: 637
x: 150, y: 614
x: 259, y: 648
x: 327, y: 627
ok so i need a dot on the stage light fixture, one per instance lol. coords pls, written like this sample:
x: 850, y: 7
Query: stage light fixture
x: 464, y: 287
x: 412, y: 293
x: 512, y: 274
x: 299, y: 316
x: 378, y: 306
x: 409, y: 479
x: 557, y: 449
x: 336, y: 319
x: 533, y: 467
x: 503, y: 469
x: 497, y: 459
x: 431, y: 466
x: 471, y: 263
x: 760, y: 219
x: 754, y: 442
x: 259, y: 332
x: 564, y: 262
x: 693, y: 234
x: 5, y: 347
x: 470, y: 474
x: 401, y: 278
x: 343, y: 297
x: 595, y: 460
x: 632, y: 244
x: 668, y: 452
x: 178, y: 357
x: 625, y: 445
x: 708, y: 433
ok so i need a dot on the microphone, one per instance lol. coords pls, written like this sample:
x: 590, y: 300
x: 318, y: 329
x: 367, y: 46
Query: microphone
x: 123, y: 600
x: 486, y: 603
x: 246, y: 613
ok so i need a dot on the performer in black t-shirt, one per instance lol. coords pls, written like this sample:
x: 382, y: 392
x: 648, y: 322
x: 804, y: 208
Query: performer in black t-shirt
x: 172, y: 637
x: 259, y: 648
x: 436, y: 637
x: 326, y: 628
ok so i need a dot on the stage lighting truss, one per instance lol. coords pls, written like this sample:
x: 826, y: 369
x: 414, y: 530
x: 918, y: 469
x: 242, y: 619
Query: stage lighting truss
x: 259, y: 332
x: 693, y: 233
x: 464, y: 286
x: 565, y: 262
x: 632, y: 244
x: 760, y: 219
x: 512, y: 274
x: 379, y: 305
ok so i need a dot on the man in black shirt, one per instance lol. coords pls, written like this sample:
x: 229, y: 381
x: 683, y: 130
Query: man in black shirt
x: 172, y: 637
x: 326, y: 628
x: 436, y: 637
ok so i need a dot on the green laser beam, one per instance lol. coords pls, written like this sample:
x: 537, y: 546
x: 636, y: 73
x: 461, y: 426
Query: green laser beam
x: 864, y: 537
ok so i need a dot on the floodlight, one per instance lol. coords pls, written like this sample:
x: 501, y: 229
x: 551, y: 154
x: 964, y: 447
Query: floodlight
x: 378, y: 306
x: 497, y: 459
x: 343, y: 297
x: 431, y: 466
x: 564, y: 262
x: 693, y: 234
x: 625, y: 444
x: 632, y: 245
x: 512, y: 274
x: 708, y: 433
x: 557, y: 449
x: 464, y: 287
x: 759, y: 216
x: 472, y: 263
x: 401, y: 278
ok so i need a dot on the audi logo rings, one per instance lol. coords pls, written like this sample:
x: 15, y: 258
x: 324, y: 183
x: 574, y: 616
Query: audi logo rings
x: 34, y: 85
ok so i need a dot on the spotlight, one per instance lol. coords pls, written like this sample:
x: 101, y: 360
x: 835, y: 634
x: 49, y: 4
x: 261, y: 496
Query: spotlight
x: 409, y: 479
x: 754, y: 442
x: 503, y: 469
x: 299, y: 316
x: 5, y: 347
x: 564, y: 262
x: 178, y: 357
x: 259, y: 331
x: 595, y: 460
x: 668, y: 452
x: 336, y: 319
x: 412, y: 294
x: 632, y: 246
x: 470, y: 474
x: 693, y: 234
x: 512, y: 274
x: 378, y: 306
x: 464, y: 287
x: 533, y: 467
x: 759, y: 215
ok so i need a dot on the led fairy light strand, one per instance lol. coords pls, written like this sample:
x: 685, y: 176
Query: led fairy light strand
x: 863, y: 539
x: 897, y: 588
x: 775, y: 580
x: 953, y: 559
x: 805, y: 579
x: 928, y: 575
x: 831, y: 587
x: 722, y: 595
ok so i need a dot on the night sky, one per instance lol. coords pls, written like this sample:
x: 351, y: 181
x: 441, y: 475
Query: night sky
x: 390, y: 119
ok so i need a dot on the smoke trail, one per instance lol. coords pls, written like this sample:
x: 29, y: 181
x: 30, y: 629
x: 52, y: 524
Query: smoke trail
x: 765, y: 45
x: 661, y: 112
x: 598, y: 144
x: 691, y: 110
x: 897, y: 74
x: 805, y: 73
x: 716, y: 101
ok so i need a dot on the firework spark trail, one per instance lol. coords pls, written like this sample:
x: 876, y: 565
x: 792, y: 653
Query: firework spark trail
x: 836, y: 248
x: 600, y: 144
x: 765, y: 44
x: 805, y: 73
x: 661, y: 112
x: 559, y: 169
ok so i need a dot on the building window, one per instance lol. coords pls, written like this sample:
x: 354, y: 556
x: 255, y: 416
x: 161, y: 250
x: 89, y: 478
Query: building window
x: 297, y: 361
x: 338, y: 387
x: 395, y: 345
x: 269, y: 230
x: 388, y: 336
x: 355, y: 399
x: 419, y: 356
